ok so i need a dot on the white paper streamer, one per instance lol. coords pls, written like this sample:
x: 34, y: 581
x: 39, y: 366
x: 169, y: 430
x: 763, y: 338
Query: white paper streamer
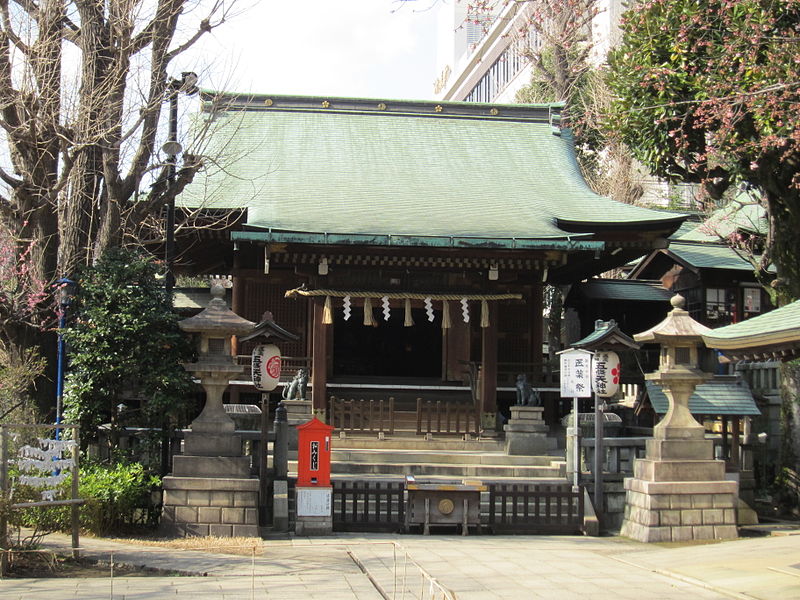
x: 429, y: 309
x: 386, y: 310
x: 465, y: 310
x: 47, y: 458
x: 43, y: 482
x: 346, y: 307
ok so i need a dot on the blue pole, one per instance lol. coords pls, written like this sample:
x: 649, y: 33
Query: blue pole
x: 62, y: 322
x: 65, y: 290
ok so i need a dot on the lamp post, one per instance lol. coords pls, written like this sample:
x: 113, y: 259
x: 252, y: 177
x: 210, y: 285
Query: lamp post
x: 188, y: 85
x: 65, y: 288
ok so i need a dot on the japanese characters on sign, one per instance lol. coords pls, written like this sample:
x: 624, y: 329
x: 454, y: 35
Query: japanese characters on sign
x: 576, y: 374
x: 314, y: 463
x: 266, y: 367
x: 605, y: 373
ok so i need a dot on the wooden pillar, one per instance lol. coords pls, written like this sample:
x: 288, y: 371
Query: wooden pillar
x: 455, y: 349
x: 237, y: 305
x: 319, y: 361
x: 725, y: 439
x: 735, y: 447
x: 237, y: 301
x: 537, y: 331
x: 489, y: 369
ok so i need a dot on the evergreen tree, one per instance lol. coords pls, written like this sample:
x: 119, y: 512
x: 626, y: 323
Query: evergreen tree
x: 124, y: 340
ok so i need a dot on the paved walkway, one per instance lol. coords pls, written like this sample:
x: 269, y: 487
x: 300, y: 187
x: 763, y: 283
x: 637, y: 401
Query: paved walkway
x: 473, y: 568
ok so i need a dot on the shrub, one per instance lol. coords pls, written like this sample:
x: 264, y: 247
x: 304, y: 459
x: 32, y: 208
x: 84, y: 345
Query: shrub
x: 117, y: 497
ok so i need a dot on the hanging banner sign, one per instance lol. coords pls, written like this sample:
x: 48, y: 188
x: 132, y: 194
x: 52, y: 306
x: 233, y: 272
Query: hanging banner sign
x: 605, y: 373
x: 576, y: 374
x: 266, y: 367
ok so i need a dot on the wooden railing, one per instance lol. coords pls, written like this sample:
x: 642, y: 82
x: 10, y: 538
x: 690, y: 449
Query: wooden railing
x: 762, y: 377
x: 362, y: 416
x: 368, y: 506
x: 447, y: 418
x: 530, y: 508
x: 289, y: 366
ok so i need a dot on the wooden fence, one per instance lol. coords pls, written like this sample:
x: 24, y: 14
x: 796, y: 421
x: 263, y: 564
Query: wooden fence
x: 448, y: 418
x: 368, y: 506
x: 362, y: 416
x: 535, y: 508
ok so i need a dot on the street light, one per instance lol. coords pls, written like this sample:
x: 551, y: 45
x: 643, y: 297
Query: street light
x: 188, y: 85
x: 65, y: 289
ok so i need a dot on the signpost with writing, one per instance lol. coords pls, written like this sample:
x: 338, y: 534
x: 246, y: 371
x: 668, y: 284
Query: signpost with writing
x: 576, y: 383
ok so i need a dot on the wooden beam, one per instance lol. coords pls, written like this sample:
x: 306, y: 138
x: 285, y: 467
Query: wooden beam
x: 319, y: 359
x: 537, y: 329
x: 489, y: 363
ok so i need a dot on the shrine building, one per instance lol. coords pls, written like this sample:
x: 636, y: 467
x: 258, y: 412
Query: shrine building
x: 407, y: 243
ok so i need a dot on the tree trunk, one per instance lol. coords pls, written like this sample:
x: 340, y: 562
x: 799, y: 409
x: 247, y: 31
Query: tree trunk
x: 790, y: 416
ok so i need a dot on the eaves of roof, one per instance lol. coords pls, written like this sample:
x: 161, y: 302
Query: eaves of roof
x: 775, y: 328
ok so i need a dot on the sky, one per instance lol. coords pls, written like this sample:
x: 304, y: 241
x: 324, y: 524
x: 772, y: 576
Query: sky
x: 355, y: 48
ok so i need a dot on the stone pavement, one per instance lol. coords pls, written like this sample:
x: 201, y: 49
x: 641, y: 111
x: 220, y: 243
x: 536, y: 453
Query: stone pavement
x: 350, y: 566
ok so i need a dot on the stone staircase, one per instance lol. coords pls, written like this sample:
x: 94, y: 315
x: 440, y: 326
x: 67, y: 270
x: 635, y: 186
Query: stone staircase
x: 439, y: 460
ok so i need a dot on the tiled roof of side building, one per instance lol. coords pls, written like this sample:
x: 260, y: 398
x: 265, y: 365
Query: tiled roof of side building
x: 778, y: 326
x: 624, y: 289
x: 713, y: 398
x: 710, y: 256
x: 373, y: 167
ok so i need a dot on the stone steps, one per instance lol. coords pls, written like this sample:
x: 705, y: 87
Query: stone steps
x: 452, y: 443
x: 456, y: 457
x: 447, y: 463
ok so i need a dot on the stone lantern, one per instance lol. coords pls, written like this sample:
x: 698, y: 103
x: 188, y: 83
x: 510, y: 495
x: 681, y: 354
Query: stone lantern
x: 678, y: 491
x: 212, y: 431
x: 680, y: 337
x: 209, y: 491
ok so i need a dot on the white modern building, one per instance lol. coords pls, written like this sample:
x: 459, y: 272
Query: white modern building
x: 484, y: 57
x: 481, y: 56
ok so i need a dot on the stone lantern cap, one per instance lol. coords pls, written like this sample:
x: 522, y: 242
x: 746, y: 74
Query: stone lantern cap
x: 217, y: 318
x: 678, y: 326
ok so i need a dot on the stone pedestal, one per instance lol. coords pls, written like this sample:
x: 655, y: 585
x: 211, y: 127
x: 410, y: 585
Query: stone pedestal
x: 526, y: 432
x: 313, y: 511
x: 298, y: 411
x: 218, y: 506
x: 679, y: 492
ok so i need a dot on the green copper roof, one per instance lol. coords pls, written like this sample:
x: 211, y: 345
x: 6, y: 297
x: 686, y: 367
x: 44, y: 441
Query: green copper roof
x: 713, y: 398
x: 744, y: 214
x: 778, y: 326
x: 402, y: 170
x: 624, y: 289
x: 709, y: 256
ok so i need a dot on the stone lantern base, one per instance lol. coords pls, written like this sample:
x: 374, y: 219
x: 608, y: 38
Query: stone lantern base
x: 217, y: 506
x: 679, y: 493
x: 209, y: 491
